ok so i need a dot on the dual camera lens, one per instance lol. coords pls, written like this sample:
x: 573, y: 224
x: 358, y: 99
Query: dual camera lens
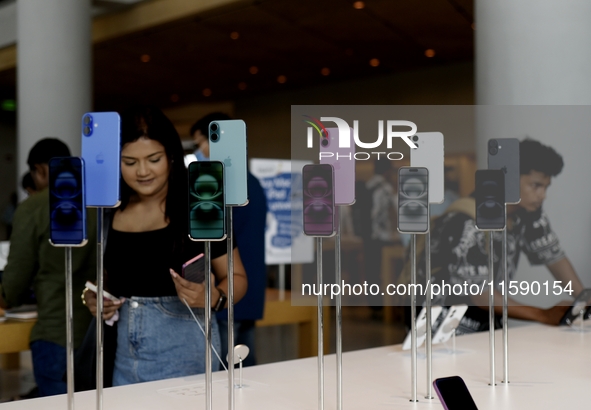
x: 87, y: 125
x: 213, y: 135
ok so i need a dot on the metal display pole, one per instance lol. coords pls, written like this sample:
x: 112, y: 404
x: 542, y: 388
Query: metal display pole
x: 339, y: 313
x: 491, y: 308
x: 69, y: 329
x: 99, y: 310
x: 505, y: 307
x: 413, y: 317
x: 428, y: 337
x: 281, y: 282
x: 207, y: 257
x: 320, y: 325
x: 230, y: 251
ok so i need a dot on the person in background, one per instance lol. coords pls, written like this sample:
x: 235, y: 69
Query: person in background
x: 458, y: 254
x: 249, y: 237
x: 33, y: 262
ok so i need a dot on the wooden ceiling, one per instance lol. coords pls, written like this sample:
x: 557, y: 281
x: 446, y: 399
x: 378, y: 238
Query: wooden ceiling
x: 196, y: 59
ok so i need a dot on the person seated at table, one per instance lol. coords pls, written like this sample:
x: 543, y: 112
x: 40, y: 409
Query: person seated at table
x: 146, y: 244
x: 459, y: 255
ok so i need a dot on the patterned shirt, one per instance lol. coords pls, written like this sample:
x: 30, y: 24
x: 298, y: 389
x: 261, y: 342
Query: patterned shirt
x: 459, y: 254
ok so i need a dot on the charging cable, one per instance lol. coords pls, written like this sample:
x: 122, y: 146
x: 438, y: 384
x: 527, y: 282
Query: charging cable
x: 203, y: 331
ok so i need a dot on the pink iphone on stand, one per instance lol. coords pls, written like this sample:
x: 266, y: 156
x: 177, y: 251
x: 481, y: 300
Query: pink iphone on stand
x: 343, y: 162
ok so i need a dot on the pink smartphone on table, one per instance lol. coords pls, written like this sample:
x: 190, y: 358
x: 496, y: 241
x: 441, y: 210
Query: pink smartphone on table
x: 343, y: 162
x: 194, y: 269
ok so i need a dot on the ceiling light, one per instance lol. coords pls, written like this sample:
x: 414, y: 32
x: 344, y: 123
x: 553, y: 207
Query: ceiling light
x: 145, y: 58
x: 281, y: 79
x: 253, y: 69
x: 325, y: 71
x: 374, y: 62
x: 430, y: 52
x: 359, y: 5
x: 206, y: 92
x: 234, y: 35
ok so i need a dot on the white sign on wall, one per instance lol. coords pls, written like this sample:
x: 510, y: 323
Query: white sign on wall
x: 285, y: 241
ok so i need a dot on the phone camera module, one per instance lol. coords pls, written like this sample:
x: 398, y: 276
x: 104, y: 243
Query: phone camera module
x: 87, y: 120
x: 324, y: 142
x: 87, y: 131
x: 493, y: 147
x: 213, y: 127
x: 415, y: 138
x: 214, y: 137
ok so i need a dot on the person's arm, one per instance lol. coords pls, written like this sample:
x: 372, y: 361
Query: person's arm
x: 194, y: 293
x: 563, y: 271
x: 516, y: 310
x: 23, y: 256
x: 109, y: 306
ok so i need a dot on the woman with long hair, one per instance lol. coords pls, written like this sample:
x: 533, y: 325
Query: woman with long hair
x: 146, y: 244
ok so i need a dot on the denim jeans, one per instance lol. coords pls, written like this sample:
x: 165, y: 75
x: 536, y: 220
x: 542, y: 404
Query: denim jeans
x: 157, y: 338
x: 49, y: 367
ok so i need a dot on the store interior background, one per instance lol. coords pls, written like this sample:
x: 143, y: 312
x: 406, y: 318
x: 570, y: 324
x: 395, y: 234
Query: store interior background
x: 194, y: 57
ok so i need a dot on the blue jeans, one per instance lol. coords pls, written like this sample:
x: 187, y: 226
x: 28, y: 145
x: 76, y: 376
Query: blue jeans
x: 157, y: 338
x: 49, y: 367
x: 243, y: 335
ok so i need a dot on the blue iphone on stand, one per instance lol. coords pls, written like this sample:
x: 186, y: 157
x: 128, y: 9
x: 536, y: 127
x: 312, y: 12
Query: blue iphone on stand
x: 101, y: 150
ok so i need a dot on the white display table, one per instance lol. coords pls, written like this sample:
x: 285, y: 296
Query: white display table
x: 550, y: 368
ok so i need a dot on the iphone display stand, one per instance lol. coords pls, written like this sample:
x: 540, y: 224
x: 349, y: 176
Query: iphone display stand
x: 413, y: 318
x: 428, y: 307
x: 451, y: 350
x: 491, y: 309
x: 580, y: 326
x: 320, y: 325
x: 69, y: 324
x: 230, y: 252
x: 99, y: 309
x: 448, y: 328
x: 503, y: 154
x: 69, y: 329
x: 208, y: 344
x: 240, y: 353
x: 339, y: 312
x: 581, y: 320
x: 429, y: 153
x: 505, y: 304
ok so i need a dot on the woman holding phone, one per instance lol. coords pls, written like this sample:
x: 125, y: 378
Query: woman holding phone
x: 145, y: 247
